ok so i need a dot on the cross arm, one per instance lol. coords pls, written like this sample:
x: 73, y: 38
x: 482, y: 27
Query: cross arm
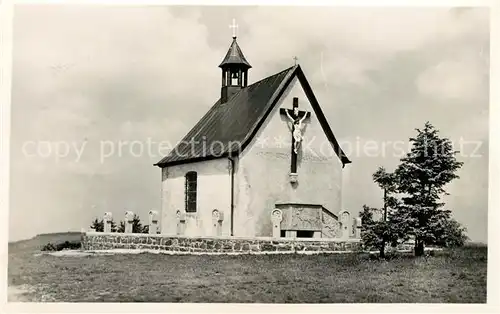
x: 301, y: 113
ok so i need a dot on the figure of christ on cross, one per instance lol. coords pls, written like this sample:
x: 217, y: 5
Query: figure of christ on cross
x: 296, y: 118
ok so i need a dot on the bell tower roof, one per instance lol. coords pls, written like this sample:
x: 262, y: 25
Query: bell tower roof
x: 234, y: 69
x: 234, y: 56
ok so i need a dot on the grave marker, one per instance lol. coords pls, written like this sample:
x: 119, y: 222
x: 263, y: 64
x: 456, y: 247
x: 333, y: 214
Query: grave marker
x: 153, y: 222
x: 129, y: 219
x: 181, y: 222
x: 217, y: 218
x: 276, y: 218
x: 108, y: 216
x: 344, y: 224
x: 358, y: 228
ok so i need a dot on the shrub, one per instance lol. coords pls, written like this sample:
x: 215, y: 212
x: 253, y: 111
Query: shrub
x: 74, y: 245
x: 97, y: 225
x: 49, y: 247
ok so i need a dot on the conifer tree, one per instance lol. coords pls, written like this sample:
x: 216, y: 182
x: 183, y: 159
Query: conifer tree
x: 113, y: 226
x: 378, y: 233
x: 136, y: 224
x: 121, y: 229
x: 97, y: 225
x: 422, y: 175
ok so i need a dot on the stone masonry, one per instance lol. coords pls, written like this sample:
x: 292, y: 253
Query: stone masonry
x: 182, y: 245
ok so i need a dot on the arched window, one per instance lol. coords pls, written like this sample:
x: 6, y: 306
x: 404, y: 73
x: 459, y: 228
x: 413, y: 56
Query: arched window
x: 191, y: 186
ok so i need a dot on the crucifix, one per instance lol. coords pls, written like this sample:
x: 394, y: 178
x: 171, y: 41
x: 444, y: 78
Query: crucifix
x: 295, y: 60
x: 296, y: 124
x: 234, y: 26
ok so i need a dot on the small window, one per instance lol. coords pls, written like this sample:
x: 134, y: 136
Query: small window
x: 234, y: 78
x: 305, y: 234
x: 283, y: 233
x: 191, y: 187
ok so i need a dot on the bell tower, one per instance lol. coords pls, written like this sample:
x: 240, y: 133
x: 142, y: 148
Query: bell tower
x: 234, y: 69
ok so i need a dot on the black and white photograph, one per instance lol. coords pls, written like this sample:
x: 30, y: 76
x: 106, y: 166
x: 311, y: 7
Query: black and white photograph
x: 253, y: 153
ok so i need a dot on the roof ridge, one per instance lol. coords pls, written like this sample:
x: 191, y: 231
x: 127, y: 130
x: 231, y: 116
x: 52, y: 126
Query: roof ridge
x: 259, y: 81
x: 238, y: 122
x: 271, y: 101
x: 275, y: 74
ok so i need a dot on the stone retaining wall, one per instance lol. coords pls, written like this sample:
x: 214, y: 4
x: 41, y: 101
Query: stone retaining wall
x: 180, y: 244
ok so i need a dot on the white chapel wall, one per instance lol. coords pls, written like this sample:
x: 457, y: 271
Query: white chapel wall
x: 213, y: 192
x: 262, y: 177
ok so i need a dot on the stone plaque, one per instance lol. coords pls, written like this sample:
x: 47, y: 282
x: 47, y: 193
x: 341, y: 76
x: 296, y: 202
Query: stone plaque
x: 302, y: 217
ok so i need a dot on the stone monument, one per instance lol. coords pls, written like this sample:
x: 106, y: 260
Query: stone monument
x: 344, y: 224
x: 181, y: 222
x: 217, y: 218
x: 108, y: 217
x: 129, y: 219
x: 276, y: 218
x: 153, y: 222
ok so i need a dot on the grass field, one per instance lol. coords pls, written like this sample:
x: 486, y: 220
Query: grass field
x: 450, y: 276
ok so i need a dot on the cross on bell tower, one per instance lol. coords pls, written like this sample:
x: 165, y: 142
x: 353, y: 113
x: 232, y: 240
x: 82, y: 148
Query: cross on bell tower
x: 234, y: 26
x: 234, y: 69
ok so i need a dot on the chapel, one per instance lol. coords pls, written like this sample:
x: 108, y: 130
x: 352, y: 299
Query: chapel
x: 262, y: 162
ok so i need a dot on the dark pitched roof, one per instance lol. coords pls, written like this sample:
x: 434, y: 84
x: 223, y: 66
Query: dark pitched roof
x: 225, y: 127
x: 235, y: 56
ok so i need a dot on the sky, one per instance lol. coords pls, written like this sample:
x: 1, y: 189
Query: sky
x: 92, y: 86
